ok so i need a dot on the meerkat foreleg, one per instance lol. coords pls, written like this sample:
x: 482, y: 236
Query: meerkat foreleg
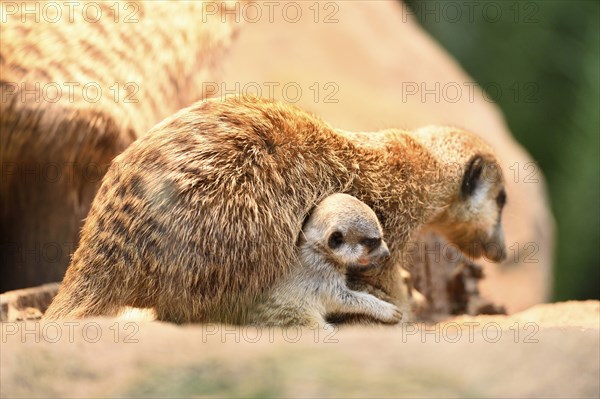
x: 348, y: 301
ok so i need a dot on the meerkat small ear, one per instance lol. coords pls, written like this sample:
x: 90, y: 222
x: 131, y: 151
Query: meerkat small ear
x: 472, y: 176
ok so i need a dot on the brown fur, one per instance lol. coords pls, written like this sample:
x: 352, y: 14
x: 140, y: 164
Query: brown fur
x: 200, y: 216
x: 166, y: 54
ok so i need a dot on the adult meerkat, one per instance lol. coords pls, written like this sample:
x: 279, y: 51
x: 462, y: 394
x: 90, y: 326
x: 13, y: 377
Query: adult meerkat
x: 340, y: 233
x: 199, y: 217
x: 78, y: 84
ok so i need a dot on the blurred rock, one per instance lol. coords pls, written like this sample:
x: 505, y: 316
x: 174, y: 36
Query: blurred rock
x: 28, y: 303
x: 450, y: 284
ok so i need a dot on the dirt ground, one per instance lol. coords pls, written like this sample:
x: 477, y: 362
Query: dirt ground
x: 550, y: 350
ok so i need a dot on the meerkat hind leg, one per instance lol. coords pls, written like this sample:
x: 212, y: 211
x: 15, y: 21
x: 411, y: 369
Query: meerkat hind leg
x: 280, y: 312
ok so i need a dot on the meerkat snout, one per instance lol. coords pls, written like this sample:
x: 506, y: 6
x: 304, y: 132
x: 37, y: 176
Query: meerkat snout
x: 352, y: 250
x: 474, y: 220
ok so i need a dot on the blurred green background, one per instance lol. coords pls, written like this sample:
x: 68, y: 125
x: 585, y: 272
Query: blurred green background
x: 545, y: 55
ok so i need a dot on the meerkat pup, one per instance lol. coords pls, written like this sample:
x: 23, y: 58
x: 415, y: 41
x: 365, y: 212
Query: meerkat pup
x: 340, y: 233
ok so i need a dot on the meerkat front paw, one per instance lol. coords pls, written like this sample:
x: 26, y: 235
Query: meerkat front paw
x: 389, y: 314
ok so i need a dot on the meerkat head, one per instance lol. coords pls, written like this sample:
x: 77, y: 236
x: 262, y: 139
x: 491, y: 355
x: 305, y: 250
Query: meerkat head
x: 346, y: 232
x: 473, y: 219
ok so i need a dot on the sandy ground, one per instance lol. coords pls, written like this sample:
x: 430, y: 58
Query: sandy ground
x: 547, y: 351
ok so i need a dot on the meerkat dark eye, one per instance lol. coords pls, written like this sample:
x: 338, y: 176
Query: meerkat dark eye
x: 335, y: 240
x: 371, y: 243
x: 501, y: 199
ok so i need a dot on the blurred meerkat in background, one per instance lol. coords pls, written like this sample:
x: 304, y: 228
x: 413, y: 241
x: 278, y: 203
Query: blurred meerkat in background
x: 78, y: 85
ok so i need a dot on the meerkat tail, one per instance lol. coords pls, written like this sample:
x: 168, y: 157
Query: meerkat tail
x: 74, y: 302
